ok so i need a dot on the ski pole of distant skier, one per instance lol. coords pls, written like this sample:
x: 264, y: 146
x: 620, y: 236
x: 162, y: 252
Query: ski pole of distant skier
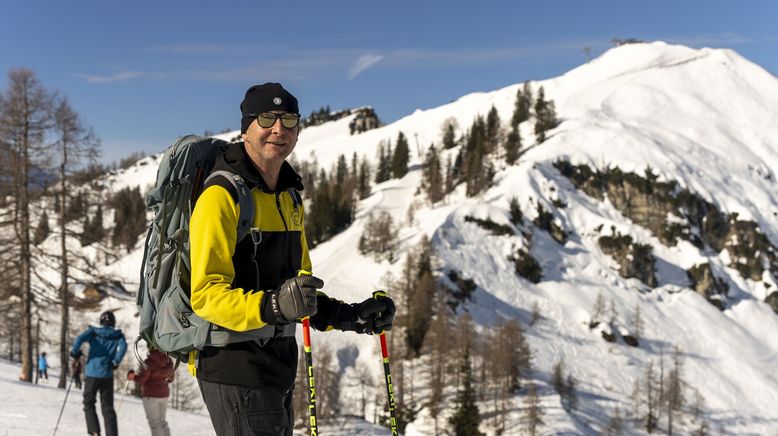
x: 67, y: 392
x: 388, y: 374
x: 312, y: 422
x: 121, y: 399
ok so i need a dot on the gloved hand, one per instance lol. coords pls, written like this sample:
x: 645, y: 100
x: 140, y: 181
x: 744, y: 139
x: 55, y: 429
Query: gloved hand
x: 374, y: 315
x: 76, y: 354
x: 293, y: 300
x: 115, y: 365
x: 131, y: 375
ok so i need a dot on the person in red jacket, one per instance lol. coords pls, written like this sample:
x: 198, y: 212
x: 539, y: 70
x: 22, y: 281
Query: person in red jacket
x: 153, y: 381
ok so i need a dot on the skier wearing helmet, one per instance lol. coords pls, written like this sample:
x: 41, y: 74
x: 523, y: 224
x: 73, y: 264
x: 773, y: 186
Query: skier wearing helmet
x: 106, y: 349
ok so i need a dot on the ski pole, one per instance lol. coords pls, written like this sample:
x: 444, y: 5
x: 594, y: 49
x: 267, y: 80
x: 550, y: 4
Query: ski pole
x: 388, y: 374
x: 121, y: 399
x: 312, y: 424
x: 311, y: 384
x: 67, y: 392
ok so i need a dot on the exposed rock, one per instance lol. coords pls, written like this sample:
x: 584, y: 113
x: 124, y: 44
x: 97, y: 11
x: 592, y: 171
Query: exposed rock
x: 705, y: 283
x: 635, y: 260
x: 672, y: 213
x: 545, y: 221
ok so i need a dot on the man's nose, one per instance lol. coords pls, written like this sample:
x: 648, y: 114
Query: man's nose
x: 277, y: 126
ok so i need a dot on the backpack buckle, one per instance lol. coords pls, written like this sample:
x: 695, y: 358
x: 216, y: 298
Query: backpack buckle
x: 183, y: 321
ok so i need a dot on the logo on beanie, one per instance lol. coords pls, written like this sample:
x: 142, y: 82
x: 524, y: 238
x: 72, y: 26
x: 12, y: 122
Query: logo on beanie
x: 277, y: 101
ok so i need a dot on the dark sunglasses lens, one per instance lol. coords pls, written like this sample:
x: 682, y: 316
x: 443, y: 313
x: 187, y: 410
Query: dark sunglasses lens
x: 266, y: 119
x: 290, y: 120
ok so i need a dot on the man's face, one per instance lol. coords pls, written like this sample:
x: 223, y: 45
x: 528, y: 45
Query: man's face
x: 270, y: 145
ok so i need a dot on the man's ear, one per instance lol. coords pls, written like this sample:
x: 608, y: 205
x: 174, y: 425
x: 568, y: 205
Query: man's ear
x: 243, y: 136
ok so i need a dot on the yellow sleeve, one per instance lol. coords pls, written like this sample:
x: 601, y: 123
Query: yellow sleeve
x: 212, y: 238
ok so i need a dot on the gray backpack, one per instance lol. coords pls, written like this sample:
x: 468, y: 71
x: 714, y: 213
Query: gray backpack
x: 167, y: 321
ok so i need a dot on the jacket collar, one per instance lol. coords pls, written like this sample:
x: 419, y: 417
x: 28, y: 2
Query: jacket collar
x: 236, y: 160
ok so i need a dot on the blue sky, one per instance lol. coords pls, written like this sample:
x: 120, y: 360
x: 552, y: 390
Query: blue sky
x: 141, y: 72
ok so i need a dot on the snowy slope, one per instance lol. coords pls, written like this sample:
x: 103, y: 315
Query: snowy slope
x: 29, y: 410
x: 705, y: 118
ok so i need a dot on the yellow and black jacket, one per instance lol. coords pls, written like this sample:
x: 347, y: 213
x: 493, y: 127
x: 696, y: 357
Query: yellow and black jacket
x: 229, y: 276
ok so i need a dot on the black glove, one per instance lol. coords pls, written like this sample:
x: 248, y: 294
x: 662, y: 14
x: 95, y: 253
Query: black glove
x: 115, y: 365
x: 76, y: 354
x: 293, y: 300
x: 374, y: 315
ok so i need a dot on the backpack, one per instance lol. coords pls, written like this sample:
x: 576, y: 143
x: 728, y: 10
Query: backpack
x: 167, y: 321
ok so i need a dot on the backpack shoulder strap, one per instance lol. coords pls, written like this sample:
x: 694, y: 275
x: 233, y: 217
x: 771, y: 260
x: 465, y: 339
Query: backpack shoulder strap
x: 240, y: 192
x: 296, y: 199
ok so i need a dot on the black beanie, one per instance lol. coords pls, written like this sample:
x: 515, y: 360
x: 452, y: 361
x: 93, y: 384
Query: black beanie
x: 265, y: 98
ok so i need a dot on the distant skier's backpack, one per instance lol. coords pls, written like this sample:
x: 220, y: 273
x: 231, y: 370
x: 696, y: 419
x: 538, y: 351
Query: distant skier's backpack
x: 167, y: 321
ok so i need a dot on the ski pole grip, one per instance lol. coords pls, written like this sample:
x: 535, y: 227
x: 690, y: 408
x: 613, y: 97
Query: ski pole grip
x: 306, y: 320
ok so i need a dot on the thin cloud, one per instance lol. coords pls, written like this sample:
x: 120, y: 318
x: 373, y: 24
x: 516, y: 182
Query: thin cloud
x: 199, y: 49
x: 121, y: 76
x: 363, y: 63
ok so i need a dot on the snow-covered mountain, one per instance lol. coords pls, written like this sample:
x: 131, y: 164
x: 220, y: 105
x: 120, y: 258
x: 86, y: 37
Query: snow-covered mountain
x: 705, y: 119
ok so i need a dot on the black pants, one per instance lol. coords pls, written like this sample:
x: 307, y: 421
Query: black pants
x: 105, y: 387
x: 242, y: 411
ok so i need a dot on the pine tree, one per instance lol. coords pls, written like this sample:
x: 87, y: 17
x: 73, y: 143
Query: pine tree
x: 545, y: 114
x: 129, y: 217
x: 384, y: 170
x: 341, y: 171
x: 450, y: 178
x: 432, y: 176
x: 422, y: 298
x: 363, y: 180
x: 449, y: 134
x: 466, y: 418
x: 401, y: 157
x: 523, y: 105
x: 512, y: 146
x: 492, y: 130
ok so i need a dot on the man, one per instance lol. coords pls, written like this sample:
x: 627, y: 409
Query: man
x: 263, y: 280
x: 106, y: 349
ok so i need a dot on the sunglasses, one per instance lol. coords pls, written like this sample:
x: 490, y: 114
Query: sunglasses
x: 266, y: 120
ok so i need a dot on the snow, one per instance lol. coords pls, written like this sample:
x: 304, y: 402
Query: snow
x: 32, y: 410
x: 706, y: 118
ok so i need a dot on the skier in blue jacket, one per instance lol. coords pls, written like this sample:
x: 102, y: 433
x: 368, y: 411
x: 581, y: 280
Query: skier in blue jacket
x: 106, y: 349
